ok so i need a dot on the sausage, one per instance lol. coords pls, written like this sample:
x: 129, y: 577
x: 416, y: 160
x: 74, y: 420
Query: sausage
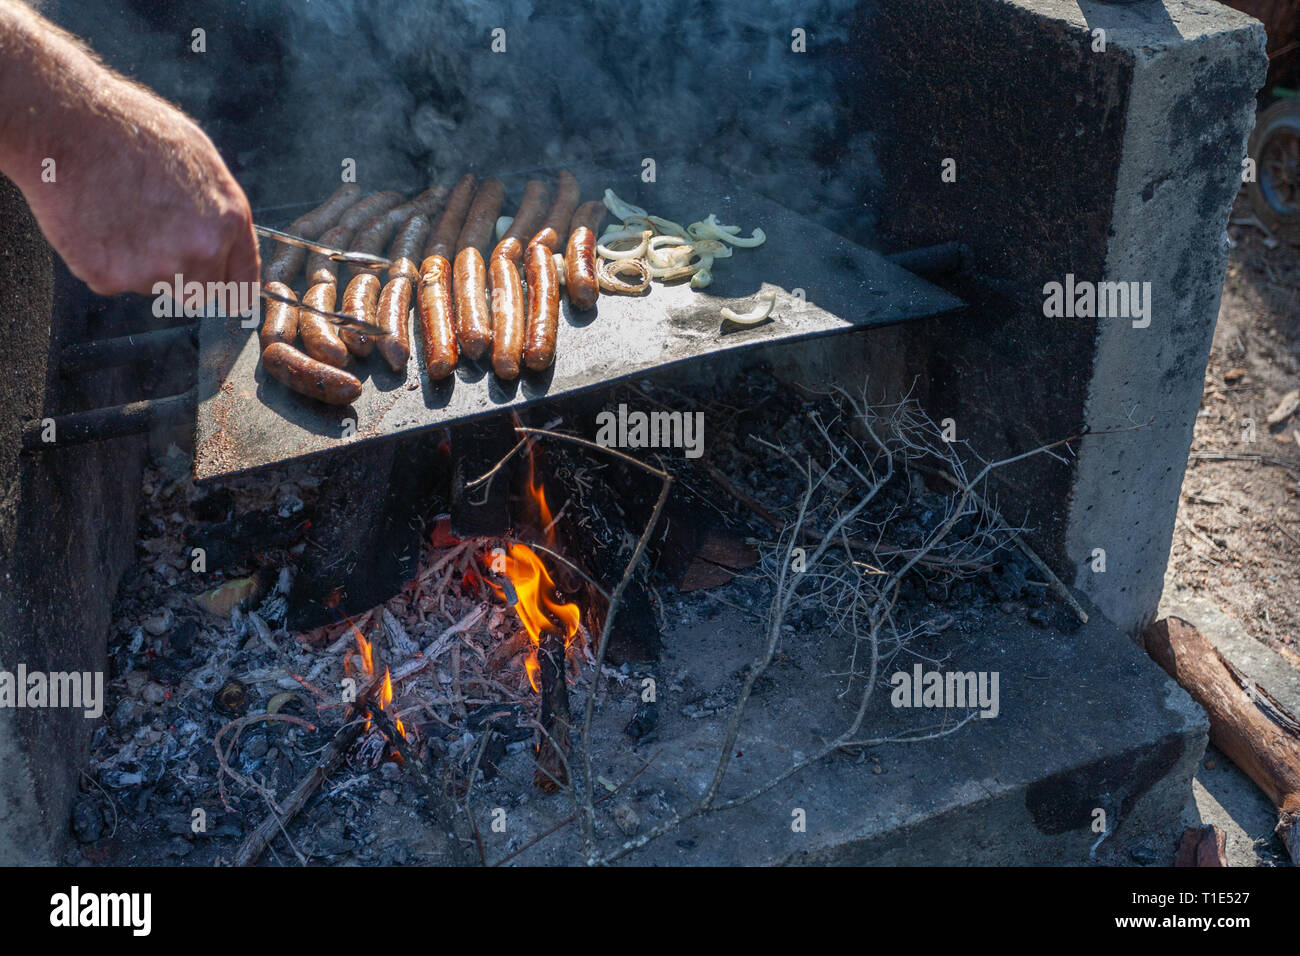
x: 529, y: 216
x: 507, y: 316
x: 359, y: 301
x: 437, y: 325
x: 391, y: 316
x: 580, y: 255
x: 374, y: 234
x: 358, y: 214
x: 284, y: 263
x: 543, y: 306
x: 580, y: 269
x: 281, y: 321
x: 590, y: 214
x: 319, y: 336
x: 473, y: 317
x: 556, y: 227
x: 482, y: 216
x: 442, y: 238
x: 320, y: 267
x: 309, y: 377
x: 405, y: 250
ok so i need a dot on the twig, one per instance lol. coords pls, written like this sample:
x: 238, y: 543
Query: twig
x: 1054, y: 583
x: 435, y: 804
x: 1265, y: 459
x: 256, y: 842
x: 573, y: 816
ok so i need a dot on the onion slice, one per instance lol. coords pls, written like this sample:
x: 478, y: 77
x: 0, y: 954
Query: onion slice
x: 637, y: 252
x: 753, y: 316
x: 620, y: 209
x: 607, y: 276
x: 503, y: 223
x: 710, y: 228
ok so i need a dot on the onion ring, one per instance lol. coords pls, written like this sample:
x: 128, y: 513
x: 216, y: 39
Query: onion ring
x: 607, y: 275
x: 606, y: 252
x: 752, y: 317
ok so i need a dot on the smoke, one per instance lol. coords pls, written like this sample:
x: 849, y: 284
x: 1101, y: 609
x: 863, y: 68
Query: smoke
x: 414, y: 92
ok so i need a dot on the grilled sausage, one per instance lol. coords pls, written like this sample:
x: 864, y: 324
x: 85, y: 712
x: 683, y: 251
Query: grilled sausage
x: 482, y: 216
x: 580, y: 255
x: 361, y: 296
x: 281, y: 321
x: 556, y: 227
x: 473, y: 317
x: 284, y: 263
x: 507, y: 316
x: 405, y: 250
x: 358, y: 214
x: 320, y: 267
x: 359, y: 301
x: 442, y: 238
x: 590, y: 214
x: 391, y: 316
x: 543, y: 306
x: 309, y: 377
x: 580, y: 269
x: 437, y: 326
x: 319, y: 336
x: 469, y: 270
x: 530, y: 214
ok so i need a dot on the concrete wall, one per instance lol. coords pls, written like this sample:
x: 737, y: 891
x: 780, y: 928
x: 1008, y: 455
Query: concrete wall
x: 1111, y: 165
x: 67, y: 532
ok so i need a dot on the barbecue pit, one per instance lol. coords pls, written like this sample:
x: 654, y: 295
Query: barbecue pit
x: 914, y: 286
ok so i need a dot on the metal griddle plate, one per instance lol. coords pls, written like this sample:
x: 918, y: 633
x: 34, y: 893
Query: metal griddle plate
x: 247, y: 420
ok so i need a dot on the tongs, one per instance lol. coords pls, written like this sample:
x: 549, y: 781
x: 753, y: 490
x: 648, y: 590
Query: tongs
x: 362, y: 260
x: 340, y: 319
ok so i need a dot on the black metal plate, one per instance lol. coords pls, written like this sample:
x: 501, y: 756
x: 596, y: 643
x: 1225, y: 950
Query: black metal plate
x: 823, y: 283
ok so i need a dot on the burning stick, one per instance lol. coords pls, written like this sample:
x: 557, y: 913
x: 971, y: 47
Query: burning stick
x: 553, y: 754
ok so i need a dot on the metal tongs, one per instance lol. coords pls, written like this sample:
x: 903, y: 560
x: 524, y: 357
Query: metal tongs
x: 362, y: 260
x: 341, y: 319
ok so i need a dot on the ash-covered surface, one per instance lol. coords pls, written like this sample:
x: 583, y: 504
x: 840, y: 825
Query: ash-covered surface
x: 193, y: 653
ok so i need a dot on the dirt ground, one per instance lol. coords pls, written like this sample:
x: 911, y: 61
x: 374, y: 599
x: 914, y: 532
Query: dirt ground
x: 1237, y: 538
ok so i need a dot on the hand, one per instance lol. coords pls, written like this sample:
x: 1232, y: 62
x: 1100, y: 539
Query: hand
x: 141, y: 194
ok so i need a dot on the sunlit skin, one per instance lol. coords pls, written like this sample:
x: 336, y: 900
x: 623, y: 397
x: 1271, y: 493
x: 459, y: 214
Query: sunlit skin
x: 126, y: 188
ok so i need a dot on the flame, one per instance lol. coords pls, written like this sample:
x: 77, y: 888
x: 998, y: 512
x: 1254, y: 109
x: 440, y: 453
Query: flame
x: 386, y: 699
x: 535, y: 602
x: 367, y: 655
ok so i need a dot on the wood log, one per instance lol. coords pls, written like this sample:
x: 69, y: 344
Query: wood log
x: 1204, y: 846
x: 553, y: 750
x: 1265, y: 749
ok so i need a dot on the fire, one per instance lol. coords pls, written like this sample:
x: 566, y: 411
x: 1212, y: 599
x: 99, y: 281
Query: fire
x: 386, y: 699
x: 367, y: 655
x: 534, y: 590
x: 535, y: 601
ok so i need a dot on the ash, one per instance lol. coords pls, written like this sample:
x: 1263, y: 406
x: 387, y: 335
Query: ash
x: 217, y: 712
